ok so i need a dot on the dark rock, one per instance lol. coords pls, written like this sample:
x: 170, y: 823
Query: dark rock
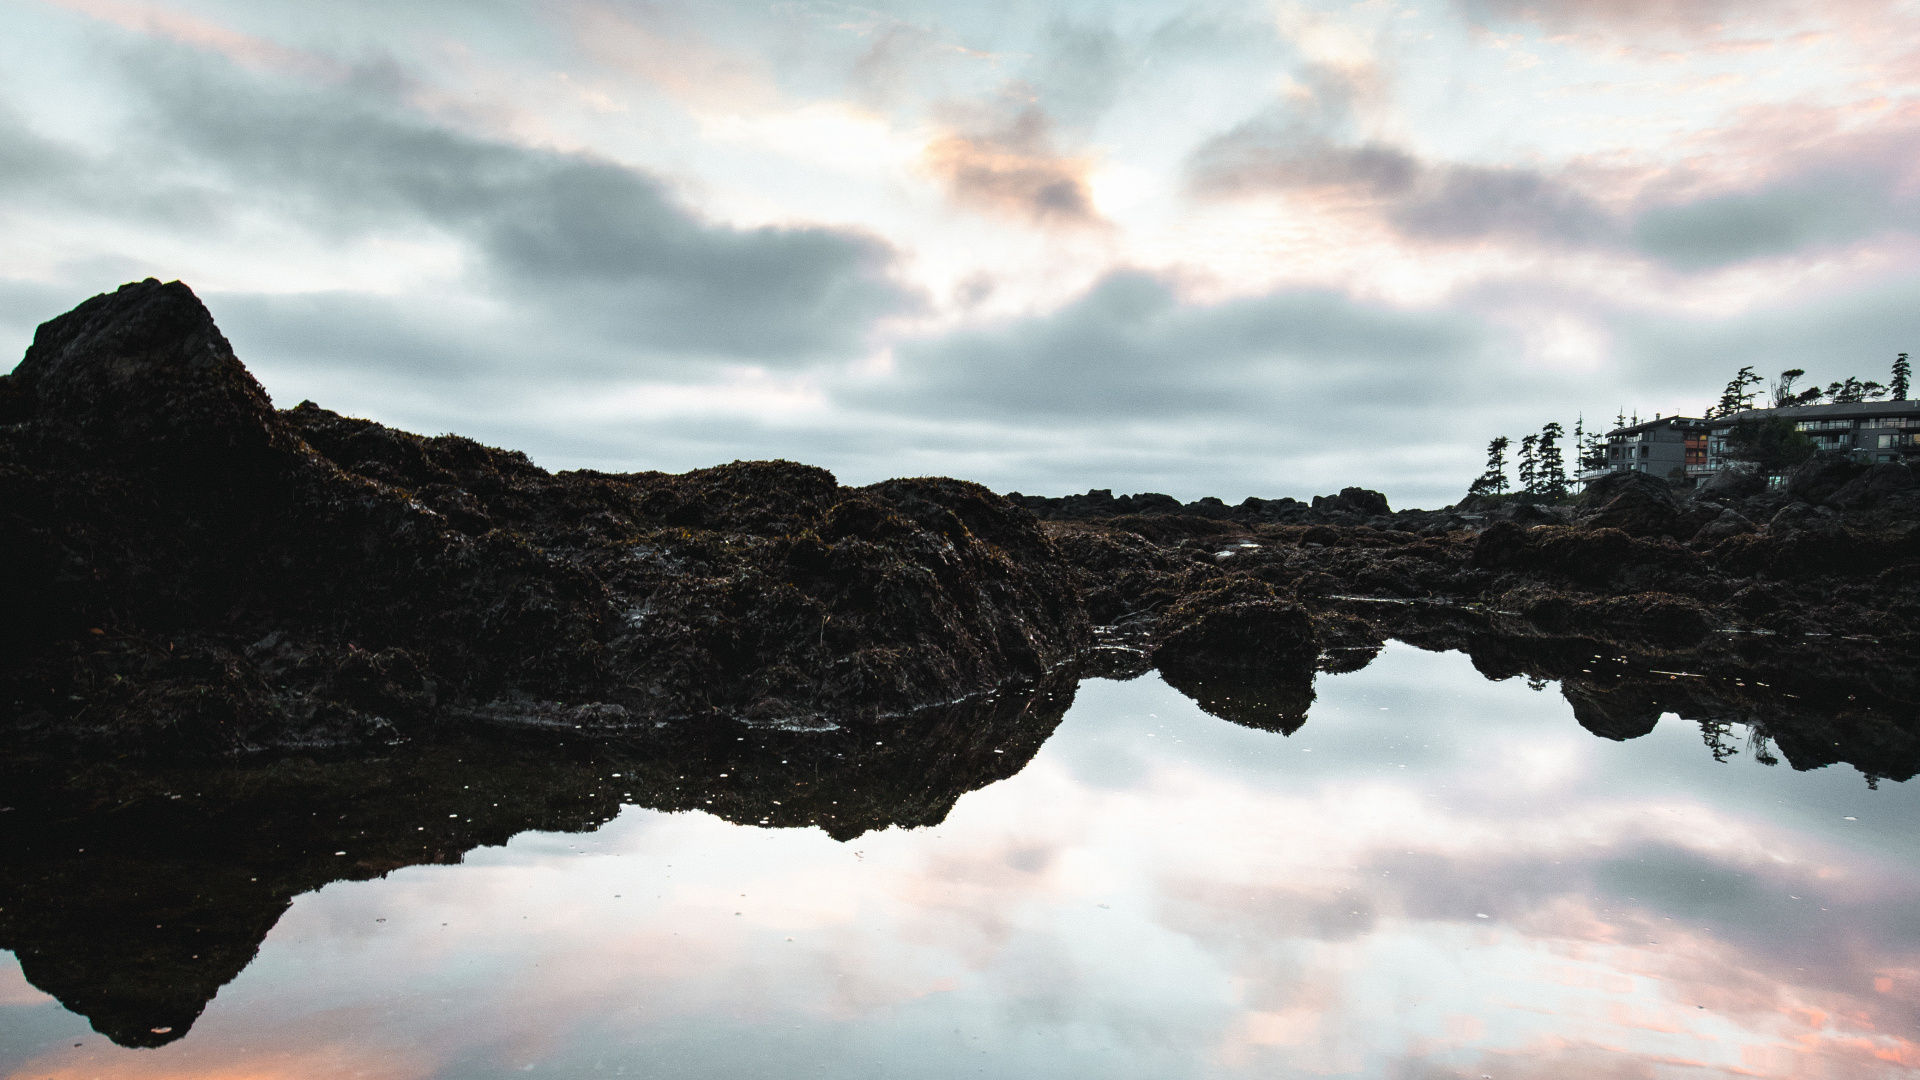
x: 1726, y: 523
x: 162, y: 521
x: 1614, y: 715
x: 1822, y: 476
x: 1734, y: 482
x: 1873, y: 486
x: 1353, y: 500
x: 1635, y: 503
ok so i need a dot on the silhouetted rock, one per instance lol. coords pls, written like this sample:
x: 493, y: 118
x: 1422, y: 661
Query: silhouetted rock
x: 197, y: 573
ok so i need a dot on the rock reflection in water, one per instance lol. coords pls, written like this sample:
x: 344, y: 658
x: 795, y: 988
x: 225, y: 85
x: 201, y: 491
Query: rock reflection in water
x: 132, y: 895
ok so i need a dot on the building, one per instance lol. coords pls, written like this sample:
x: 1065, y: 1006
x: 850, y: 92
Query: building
x: 1666, y: 447
x: 1872, y: 431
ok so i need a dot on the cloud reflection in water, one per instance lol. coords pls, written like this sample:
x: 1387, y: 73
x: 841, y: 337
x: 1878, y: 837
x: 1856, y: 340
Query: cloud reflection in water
x: 1437, y: 876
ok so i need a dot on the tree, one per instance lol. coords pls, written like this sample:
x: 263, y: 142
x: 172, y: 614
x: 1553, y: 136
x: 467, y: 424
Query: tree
x: 1530, y: 465
x: 1901, y: 370
x: 1620, y: 421
x: 1784, y: 395
x: 1593, y: 454
x: 1774, y: 444
x: 1736, y: 397
x: 1854, y: 390
x: 1552, y: 472
x: 1494, y: 480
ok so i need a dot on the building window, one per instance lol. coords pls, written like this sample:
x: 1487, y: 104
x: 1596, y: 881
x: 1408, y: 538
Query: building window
x: 1823, y: 425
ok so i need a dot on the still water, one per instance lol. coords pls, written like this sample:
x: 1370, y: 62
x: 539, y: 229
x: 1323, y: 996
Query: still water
x: 1437, y: 876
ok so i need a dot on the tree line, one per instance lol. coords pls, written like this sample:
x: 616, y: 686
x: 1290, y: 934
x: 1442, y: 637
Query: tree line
x: 1768, y: 442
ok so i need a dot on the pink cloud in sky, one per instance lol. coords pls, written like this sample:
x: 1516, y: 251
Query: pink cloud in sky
x: 245, y: 49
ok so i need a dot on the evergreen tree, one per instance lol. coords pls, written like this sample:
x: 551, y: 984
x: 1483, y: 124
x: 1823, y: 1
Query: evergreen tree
x: 1529, y: 469
x: 1551, y: 472
x: 1901, y: 370
x: 1620, y: 421
x: 1736, y: 397
x: 1494, y: 480
x: 1784, y: 395
x: 1854, y: 390
x: 1593, y: 455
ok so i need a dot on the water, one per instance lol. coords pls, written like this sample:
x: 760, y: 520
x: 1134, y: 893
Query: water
x: 1437, y: 876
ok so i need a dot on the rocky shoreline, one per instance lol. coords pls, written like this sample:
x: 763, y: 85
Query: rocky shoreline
x: 197, y: 574
x: 245, y: 640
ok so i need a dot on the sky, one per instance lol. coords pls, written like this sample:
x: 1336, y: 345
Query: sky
x: 1204, y: 248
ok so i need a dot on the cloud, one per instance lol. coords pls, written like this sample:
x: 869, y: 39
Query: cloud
x: 1616, y: 15
x: 1000, y: 159
x: 1130, y: 349
x: 597, y: 242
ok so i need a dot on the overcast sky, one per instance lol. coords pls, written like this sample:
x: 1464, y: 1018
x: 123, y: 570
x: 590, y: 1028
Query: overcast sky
x: 1201, y: 248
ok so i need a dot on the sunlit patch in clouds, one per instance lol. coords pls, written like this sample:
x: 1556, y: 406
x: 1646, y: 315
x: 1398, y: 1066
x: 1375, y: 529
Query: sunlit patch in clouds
x: 1003, y: 161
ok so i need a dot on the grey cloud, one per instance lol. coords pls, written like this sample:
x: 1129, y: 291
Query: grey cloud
x: 1286, y: 151
x: 1467, y: 202
x: 586, y: 238
x: 1777, y: 221
x: 1129, y: 349
x: 1619, y: 15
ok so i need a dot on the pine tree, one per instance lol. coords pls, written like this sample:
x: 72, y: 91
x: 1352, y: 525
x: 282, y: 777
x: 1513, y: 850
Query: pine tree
x: 1854, y: 390
x: 1736, y: 397
x: 1529, y: 469
x: 1551, y: 470
x: 1620, y: 421
x: 1901, y: 370
x: 1494, y: 480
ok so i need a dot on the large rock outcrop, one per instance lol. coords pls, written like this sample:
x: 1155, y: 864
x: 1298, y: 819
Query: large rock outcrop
x: 191, y: 571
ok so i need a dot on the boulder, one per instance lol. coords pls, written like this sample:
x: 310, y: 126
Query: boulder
x: 1822, y: 476
x: 1727, y: 523
x: 1635, y: 503
x: 1873, y: 486
x: 1353, y: 500
x: 142, y: 375
x: 1735, y: 481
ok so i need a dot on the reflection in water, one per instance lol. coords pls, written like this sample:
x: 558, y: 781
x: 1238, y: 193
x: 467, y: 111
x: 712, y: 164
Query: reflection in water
x: 1436, y: 876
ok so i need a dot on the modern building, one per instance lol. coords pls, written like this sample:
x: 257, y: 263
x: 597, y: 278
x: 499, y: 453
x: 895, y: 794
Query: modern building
x: 1665, y: 447
x: 1871, y: 431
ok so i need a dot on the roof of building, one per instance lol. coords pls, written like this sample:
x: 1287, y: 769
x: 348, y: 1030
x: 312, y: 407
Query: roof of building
x: 1661, y: 422
x: 1851, y: 410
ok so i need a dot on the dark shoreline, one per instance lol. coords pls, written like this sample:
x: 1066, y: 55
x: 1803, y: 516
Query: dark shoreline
x: 261, y: 637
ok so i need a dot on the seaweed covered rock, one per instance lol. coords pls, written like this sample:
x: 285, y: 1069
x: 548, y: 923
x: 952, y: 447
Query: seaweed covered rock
x: 1243, y: 651
x: 1637, y: 504
x: 195, y: 572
